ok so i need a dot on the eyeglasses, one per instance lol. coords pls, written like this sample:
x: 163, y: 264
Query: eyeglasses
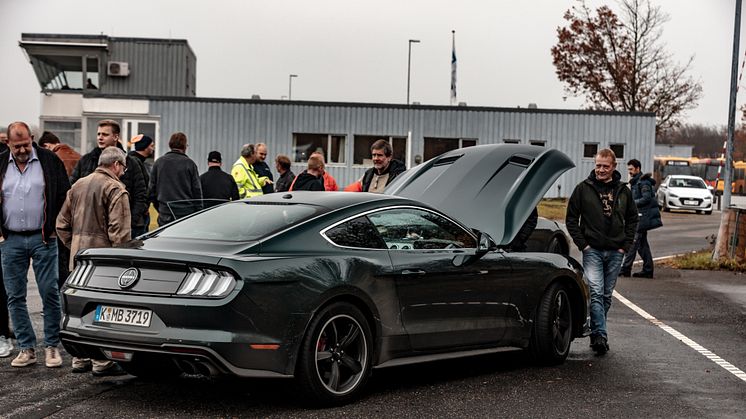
x: 124, y: 167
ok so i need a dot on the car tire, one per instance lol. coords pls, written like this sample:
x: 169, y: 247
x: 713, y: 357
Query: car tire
x: 556, y: 245
x: 707, y: 212
x: 335, y: 357
x: 553, y: 327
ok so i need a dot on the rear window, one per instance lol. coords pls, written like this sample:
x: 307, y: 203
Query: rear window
x: 240, y: 221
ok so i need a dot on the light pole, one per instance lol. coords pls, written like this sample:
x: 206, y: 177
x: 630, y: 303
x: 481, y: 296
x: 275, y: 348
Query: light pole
x: 290, y: 86
x: 409, y: 64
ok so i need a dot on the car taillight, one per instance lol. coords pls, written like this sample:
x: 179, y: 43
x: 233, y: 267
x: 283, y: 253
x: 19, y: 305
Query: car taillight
x: 207, y: 283
x: 80, y: 274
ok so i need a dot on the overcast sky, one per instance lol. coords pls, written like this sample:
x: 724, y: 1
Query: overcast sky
x: 354, y: 50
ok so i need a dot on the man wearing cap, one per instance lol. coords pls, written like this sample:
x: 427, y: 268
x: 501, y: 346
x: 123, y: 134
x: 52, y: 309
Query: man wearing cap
x: 216, y: 184
x: 144, y: 147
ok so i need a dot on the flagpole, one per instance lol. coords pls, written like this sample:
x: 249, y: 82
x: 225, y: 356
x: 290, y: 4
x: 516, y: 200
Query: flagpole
x: 453, y: 69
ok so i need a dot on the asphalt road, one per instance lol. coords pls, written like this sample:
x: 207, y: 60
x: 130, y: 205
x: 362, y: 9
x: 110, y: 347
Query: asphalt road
x: 648, y: 372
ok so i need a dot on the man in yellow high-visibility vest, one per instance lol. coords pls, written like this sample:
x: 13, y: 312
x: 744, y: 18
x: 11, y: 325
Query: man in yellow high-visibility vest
x: 248, y: 182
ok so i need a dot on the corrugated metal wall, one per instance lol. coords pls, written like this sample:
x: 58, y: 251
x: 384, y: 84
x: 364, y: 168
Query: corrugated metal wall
x: 225, y: 125
x: 157, y: 68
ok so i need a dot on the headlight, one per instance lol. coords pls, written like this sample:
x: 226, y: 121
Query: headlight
x: 207, y: 283
x: 672, y: 195
x: 708, y: 198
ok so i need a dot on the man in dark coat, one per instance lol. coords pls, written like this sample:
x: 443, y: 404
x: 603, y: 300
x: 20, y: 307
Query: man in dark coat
x: 175, y: 178
x: 384, y: 169
x: 262, y: 168
x: 282, y: 164
x: 216, y: 184
x: 642, y: 187
x: 34, y: 183
x: 311, y: 178
x: 602, y: 220
x: 144, y: 148
x: 107, y: 135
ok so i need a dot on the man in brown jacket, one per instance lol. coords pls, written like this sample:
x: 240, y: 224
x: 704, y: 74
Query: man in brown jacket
x: 81, y: 225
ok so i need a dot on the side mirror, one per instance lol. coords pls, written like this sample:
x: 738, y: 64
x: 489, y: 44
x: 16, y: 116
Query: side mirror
x: 486, y: 243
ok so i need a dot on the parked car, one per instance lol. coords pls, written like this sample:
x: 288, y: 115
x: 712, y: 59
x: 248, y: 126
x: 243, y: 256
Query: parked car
x: 682, y: 192
x: 326, y: 287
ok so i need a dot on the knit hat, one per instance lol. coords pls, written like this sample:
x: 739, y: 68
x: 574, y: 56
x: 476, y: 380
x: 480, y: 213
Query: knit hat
x: 141, y: 142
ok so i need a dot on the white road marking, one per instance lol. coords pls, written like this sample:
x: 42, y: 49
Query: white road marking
x: 688, y: 342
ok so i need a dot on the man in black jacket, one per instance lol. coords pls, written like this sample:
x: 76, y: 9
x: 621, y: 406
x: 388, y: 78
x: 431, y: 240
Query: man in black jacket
x: 216, y: 184
x: 175, y: 177
x: 107, y: 135
x: 384, y: 169
x: 650, y: 218
x: 262, y: 168
x: 34, y: 184
x: 311, y: 178
x: 602, y: 220
x: 282, y: 164
x: 144, y: 147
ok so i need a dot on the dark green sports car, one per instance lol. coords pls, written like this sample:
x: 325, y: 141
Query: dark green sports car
x: 326, y: 287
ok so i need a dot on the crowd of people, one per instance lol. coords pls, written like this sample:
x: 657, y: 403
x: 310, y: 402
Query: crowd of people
x: 47, y: 213
x: 47, y: 216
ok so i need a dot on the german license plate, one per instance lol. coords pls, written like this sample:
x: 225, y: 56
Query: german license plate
x: 690, y: 202
x: 121, y: 315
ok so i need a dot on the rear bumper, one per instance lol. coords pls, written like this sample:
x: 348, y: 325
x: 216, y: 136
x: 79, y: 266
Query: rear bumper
x: 220, y: 334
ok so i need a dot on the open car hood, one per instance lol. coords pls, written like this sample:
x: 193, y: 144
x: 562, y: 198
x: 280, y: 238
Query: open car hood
x: 492, y: 188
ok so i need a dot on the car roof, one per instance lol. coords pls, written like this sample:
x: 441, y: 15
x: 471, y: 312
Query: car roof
x: 330, y: 200
x: 684, y: 177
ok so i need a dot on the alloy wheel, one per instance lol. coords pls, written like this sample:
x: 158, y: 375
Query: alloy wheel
x: 341, y: 354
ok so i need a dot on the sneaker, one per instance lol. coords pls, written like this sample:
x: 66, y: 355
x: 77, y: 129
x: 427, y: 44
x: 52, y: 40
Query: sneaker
x: 600, y: 345
x: 25, y: 358
x: 6, y: 346
x: 53, y: 358
x: 111, y: 370
x: 642, y: 275
x: 81, y: 365
x: 625, y: 273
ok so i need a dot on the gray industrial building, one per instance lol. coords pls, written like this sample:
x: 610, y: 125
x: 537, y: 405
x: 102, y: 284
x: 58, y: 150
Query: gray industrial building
x: 149, y: 85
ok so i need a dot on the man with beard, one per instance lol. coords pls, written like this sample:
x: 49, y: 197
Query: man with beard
x: 34, y: 184
x: 602, y: 220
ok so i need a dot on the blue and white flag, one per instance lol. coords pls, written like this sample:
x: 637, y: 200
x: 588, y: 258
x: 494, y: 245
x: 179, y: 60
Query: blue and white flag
x: 453, y: 70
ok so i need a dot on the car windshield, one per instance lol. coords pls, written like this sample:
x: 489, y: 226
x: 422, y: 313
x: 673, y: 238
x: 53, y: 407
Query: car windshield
x: 687, y: 183
x: 239, y: 221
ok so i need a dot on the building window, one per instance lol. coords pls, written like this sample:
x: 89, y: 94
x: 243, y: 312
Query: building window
x: 332, y: 146
x: 590, y: 150
x: 538, y: 143
x: 511, y: 141
x: 362, y: 143
x: 618, y: 150
x: 437, y: 146
x: 67, y: 131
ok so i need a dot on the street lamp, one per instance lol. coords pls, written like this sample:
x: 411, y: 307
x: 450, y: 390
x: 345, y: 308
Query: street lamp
x: 409, y: 63
x: 290, y: 86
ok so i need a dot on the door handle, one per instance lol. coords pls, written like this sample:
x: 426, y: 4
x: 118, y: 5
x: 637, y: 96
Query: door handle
x: 413, y: 272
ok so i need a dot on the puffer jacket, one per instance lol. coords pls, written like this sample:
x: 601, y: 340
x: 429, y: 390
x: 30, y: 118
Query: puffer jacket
x: 585, y: 219
x: 81, y: 225
x: 643, y: 193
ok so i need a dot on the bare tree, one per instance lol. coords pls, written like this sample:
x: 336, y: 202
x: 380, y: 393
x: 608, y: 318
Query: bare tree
x: 622, y: 64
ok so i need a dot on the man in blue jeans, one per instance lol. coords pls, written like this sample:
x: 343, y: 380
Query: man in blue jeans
x: 602, y: 220
x: 34, y: 184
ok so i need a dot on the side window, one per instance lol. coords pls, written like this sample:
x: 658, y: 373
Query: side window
x: 358, y: 232
x: 414, y: 229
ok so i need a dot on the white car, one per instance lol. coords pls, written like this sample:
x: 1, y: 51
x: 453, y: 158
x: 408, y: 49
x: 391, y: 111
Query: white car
x: 681, y: 192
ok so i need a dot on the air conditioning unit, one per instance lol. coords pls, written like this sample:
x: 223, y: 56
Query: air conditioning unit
x: 118, y: 69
